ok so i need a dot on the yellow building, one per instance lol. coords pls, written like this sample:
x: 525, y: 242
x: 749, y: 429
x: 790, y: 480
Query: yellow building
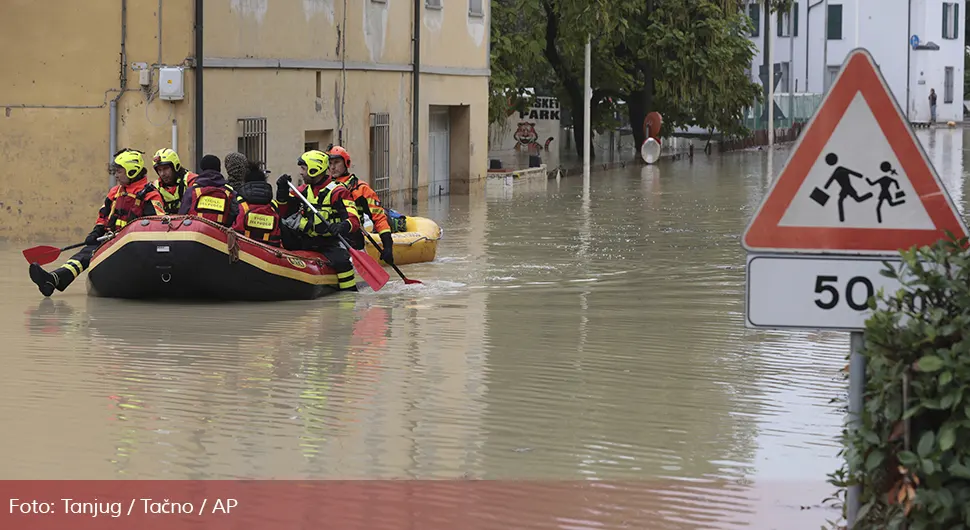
x: 83, y: 79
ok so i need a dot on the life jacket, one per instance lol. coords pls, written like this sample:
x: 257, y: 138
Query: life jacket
x: 259, y: 221
x: 172, y: 195
x: 126, y: 206
x: 322, y: 205
x: 212, y: 203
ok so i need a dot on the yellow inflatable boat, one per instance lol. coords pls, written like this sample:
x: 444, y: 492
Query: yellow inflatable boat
x: 418, y: 243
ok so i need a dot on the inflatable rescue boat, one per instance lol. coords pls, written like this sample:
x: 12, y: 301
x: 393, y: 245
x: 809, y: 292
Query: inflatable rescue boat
x: 418, y: 243
x: 189, y: 258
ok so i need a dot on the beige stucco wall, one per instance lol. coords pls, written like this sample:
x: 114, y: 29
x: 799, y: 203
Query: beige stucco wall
x: 53, y: 160
x: 268, y: 55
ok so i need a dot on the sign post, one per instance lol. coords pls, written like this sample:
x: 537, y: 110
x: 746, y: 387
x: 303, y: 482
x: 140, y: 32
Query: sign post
x: 857, y: 189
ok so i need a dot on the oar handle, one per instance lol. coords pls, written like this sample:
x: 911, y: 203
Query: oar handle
x: 318, y: 214
x: 82, y: 243
x: 381, y: 249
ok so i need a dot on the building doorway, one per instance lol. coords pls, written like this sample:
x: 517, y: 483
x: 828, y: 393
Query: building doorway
x: 439, y: 152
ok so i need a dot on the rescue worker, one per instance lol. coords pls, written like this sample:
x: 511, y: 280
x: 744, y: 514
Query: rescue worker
x: 133, y: 197
x: 259, y: 216
x: 237, y: 165
x: 366, y: 201
x: 172, y: 180
x: 209, y: 197
x: 335, y: 204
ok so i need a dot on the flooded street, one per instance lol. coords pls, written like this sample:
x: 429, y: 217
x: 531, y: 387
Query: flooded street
x: 560, y: 336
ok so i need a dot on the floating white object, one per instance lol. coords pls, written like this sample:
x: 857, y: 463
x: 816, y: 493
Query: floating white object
x: 650, y: 150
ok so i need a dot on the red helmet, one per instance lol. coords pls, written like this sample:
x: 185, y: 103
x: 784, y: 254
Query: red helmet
x: 340, y: 152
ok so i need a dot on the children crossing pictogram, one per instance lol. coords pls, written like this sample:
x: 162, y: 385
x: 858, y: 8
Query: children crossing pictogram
x: 858, y: 181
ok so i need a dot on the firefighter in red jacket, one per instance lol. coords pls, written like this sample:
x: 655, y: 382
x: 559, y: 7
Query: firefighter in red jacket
x: 335, y: 204
x: 133, y: 197
x: 173, y: 178
x: 366, y: 200
x: 259, y: 216
x: 209, y: 196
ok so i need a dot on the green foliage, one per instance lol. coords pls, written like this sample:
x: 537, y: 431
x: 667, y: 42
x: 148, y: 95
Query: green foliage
x: 911, y: 452
x: 700, y: 52
x: 516, y: 57
x: 683, y: 58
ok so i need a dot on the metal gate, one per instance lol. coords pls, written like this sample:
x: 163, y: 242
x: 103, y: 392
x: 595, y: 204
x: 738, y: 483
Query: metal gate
x: 380, y: 155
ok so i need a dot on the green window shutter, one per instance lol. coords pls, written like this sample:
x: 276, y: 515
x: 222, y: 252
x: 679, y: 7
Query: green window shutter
x: 795, y: 21
x: 778, y: 22
x: 835, y: 22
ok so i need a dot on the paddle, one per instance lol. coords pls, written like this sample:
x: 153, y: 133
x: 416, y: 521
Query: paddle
x: 366, y: 266
x: 407, y: 281
x: 44, y: 254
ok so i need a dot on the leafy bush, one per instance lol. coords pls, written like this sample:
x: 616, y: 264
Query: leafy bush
x: 911, y: 452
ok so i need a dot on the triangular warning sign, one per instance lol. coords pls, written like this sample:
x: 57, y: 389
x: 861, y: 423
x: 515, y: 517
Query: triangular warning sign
x: 858, y: 181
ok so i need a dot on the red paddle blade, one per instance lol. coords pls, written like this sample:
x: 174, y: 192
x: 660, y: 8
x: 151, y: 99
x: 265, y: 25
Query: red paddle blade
x: 42, y: 255
x: 369, y: 269
x: 409, y: 281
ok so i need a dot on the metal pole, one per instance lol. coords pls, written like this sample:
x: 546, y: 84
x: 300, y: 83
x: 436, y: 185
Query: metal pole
x: 175, y: 135
x: 771, y: 87
x: 825, y: 46
x: 857, y: 385
x: 587, y: 96
x: 112, y: 135
x: 791, y: 66
x: 415, y: 106
x: 909, y: 50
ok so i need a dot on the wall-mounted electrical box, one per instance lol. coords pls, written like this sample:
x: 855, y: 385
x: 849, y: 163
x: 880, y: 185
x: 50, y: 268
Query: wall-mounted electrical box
x: 171, y: 83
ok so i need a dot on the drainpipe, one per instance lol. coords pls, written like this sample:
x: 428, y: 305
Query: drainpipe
x: 113, y: 104
x: 808, y: 40
x: 415, y: 107
x: 199, y: 114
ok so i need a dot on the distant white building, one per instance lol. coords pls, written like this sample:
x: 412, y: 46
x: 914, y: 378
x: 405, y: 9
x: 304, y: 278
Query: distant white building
x: 931, y: 39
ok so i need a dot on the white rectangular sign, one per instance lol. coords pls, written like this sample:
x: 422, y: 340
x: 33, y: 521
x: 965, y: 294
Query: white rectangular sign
x: 801, y: 292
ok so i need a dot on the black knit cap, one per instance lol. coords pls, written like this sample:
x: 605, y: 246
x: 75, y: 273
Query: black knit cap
x: 210, y: 162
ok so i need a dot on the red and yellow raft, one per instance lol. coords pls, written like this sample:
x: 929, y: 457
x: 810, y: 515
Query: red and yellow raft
x: 189, y: 258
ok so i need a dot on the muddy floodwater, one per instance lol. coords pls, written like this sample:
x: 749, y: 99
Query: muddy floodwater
x: 560, y: 335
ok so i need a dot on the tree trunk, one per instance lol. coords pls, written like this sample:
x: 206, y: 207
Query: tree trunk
x: 639, y: 103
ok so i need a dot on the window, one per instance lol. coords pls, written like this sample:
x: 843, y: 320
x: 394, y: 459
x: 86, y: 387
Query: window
x: 251, y: 140
x: 948, y: 85
x: 784, y: 19
x: 433, y: 4
x: 785, y: 84
x: 832, y: 72
x: 754, y: 12
x: 475, y: 8
x: 951, y: 20
x: 380, y: 157
x: 835, y: 22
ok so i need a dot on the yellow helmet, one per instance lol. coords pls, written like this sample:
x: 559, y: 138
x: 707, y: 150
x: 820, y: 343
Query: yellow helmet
x: 167, y: 156
x: 132, y: 162
x: 316, y: 162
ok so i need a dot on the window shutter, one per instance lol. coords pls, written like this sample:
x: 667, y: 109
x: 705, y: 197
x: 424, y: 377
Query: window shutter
x: 778, y: 23
x: 956, y: 20
x: 946, y: 8
x: 795, y: 21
